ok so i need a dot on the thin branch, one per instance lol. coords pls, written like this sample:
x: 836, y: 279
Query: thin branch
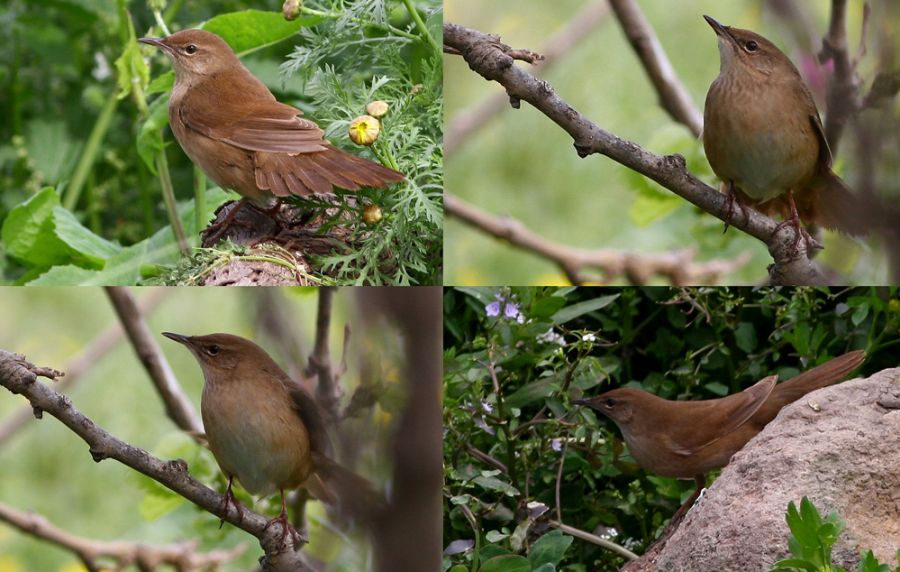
x: 20, y: 377
x: 593, y: 539
x: 77, y: 366
x: 182, y: 556
x: 559, y: 474
x: 488, y: 57
x: 178, y: 406
x: 843, y: 89
x: 678, y: 267
x: 673, y: 96
x: 468, y: 122
x: 276, y: 322
x: 327, y: 391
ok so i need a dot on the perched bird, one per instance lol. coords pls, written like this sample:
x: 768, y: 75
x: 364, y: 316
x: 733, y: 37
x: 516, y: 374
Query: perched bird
x: 686, y: 439
x: 231, y: 126
x: 764, y: 138
x: 266, y: 430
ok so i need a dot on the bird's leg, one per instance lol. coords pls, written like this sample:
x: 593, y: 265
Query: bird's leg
x: 296, y: 537
x: 229, y: 499
x: 216, y: 230
x: 683, y: 510
x: 794, y: 220
x: 731, y: 197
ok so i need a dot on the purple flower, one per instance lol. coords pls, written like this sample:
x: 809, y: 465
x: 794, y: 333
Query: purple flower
x: 511, y: 311
x: 492, y: 309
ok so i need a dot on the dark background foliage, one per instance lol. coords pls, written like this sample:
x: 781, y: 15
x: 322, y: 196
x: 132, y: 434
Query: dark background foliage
x: 509, y: 381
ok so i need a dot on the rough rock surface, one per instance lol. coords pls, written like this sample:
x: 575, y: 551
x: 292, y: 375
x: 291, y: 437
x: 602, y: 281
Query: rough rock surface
x: 840, y: 446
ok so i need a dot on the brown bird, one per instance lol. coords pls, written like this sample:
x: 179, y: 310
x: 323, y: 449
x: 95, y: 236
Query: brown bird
x: 266, y: 430
x: 232, y: 127
x: 686, y: 439
x: 764, y: 138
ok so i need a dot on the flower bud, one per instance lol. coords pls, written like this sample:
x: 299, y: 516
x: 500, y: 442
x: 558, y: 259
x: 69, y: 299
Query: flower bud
x: 377, y: 108
x: 372, y: 214
x: 291, y: 9
x: 364, y: 130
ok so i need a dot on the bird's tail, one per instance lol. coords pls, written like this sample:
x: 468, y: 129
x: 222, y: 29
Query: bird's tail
x: 338, y: 486
x: 818, y: 377
x: 837, y: 207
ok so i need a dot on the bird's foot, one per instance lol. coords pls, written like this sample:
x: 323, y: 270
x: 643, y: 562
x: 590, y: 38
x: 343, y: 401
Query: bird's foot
x: 229, y: 499
x: 215, y: 231
x: 800, y: 233
x: 286, y: 528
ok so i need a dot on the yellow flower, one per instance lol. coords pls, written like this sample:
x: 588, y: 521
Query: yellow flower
x: 377, y: 108
x: 372, y: 214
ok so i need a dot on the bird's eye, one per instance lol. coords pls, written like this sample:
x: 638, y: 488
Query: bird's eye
x: 609, y: 402
x: 213, y: 350
x: 190, y: 49
x: 752, y: 46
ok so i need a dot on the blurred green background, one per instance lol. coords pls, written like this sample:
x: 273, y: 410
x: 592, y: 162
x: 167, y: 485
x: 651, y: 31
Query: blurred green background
x: 49, y: 470
x: 522, y: 165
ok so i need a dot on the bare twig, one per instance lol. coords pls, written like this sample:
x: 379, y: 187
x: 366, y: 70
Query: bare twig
x: 673, y: 96
x: 489, y: 58
x: 593, y: 539
x: 678, y: 267
x: 20, y: 377
x: 843, y: 89
x: 328, y: 392
x: 178, y: 406
x: 559, y: 473
x: 77, y: 366
x: 468, y: 122
x: 182, y: 556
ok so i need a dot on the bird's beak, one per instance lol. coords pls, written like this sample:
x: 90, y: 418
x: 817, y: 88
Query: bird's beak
x: 185, y: 340
x: 586, y: 402
x: 720, y: 29
x: 157, y: 42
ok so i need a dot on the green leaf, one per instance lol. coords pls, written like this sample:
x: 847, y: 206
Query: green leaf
x: 532, y: 392
x: 80, y: 239
x: 28, y: 230
x: 506, y: 563
x: 545, y: 307
x: 250, y: 30
x: 162, y: 83
x: 575, y: 310
x: 745, y: 337
x: 549, y: 549
x: 51, y: 149
x: 150, y: 139
x: 494, y: 484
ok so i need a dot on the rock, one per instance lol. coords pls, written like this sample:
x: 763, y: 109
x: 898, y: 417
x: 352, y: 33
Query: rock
x: 840, y: 446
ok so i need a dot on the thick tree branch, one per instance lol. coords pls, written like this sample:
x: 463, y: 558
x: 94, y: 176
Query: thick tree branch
x: 677, y: 267
x: 178, y: 406
x: 468, y: 122
x: 182, y: 556
x: 408, y: 531
x: 673, y: 96
x: 491, y: 59
x: 20, y: 377
x: 77, y: 366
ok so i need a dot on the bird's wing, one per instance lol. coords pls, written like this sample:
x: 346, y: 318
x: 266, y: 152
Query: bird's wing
x: 824, y: 149
x: 256, y: 125
x: 721, y: 416
x: 308, y: 411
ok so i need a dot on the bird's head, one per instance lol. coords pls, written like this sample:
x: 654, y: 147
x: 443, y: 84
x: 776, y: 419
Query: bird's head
x: 195, y: 52
x: 743, y: 51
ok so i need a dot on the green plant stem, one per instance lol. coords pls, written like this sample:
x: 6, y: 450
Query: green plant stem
x: 101, y: 126
x: 199, y: 199
x: 414, y: 14
x: 165, y: 180
x: 385, y: 27
x: 157, y: 15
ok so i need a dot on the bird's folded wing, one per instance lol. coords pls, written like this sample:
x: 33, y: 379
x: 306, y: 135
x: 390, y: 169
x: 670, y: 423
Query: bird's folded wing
x: 267, y: 126
x: 725, y: 415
